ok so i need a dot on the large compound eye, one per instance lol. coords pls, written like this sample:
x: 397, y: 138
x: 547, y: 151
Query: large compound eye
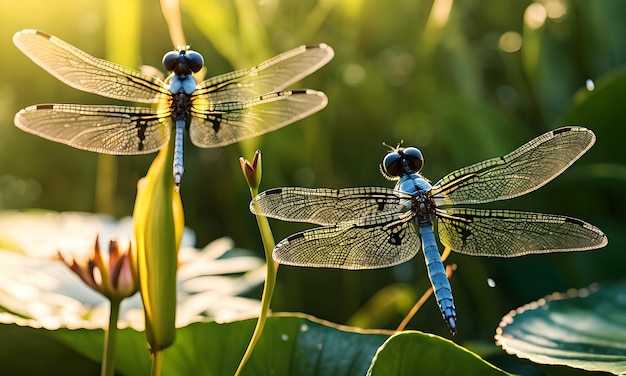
x: 392, y: 164
x: 196, y: 61
x: 170, y: 60
x: 414, y: 158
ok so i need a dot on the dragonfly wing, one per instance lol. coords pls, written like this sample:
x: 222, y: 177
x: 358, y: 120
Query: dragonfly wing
x: 214, y: 125
x: 325, y: 206
x: 87, y: 73
x: 115, y: 130
x: 371, y: 242
x: 275, y: 74
x: 529, y: 167
x: 507, y: 233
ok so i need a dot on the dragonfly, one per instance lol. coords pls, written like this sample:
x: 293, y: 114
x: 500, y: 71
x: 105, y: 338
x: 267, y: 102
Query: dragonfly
x: 377, y: 227
x: 218, y: 111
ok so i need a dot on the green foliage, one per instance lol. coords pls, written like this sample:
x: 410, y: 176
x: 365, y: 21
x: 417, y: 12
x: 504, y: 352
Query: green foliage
x: 582, y: 329
x: 290, y: 345
x: 411, y: 353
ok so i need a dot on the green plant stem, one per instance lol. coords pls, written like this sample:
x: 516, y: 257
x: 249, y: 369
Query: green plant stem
x: 110, y: 337
x: 268, y: 288
x: 157, y: 363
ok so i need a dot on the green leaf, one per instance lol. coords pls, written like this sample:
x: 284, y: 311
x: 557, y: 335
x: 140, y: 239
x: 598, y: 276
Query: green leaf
x: 582, y: 328
x: 417, y: 353
x: 290, y: 345
x: 131, y: 350
x: 30, y: 351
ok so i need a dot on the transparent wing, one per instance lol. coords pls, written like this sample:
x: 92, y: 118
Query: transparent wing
x: 371, y: 242
x: 325, y: 206
x: 87, y: 73
x: 222, y: 124
x: 527, y: 168
x: 104, y: 129
x: 507, y: 233
x: 275, y: 74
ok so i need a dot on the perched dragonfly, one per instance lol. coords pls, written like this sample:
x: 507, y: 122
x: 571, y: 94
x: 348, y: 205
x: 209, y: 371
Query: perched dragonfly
x: 376, y: 227
x: 219, y: 111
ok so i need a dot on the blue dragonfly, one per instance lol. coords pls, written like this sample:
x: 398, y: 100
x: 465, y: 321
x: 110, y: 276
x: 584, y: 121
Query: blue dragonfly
x: 218, y: 111
x: 377, y: 227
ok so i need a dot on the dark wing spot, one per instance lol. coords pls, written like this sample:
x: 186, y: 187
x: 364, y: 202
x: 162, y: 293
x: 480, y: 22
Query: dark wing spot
x: 216, y: 120
x: 274, y: 191
x: 141, y: 133
x: 561, y: 130
x: 295, y: 236
x: 395, y: 239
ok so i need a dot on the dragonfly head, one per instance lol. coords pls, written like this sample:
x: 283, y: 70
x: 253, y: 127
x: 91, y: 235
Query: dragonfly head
x: 402, y: 161
x: 184, y: 61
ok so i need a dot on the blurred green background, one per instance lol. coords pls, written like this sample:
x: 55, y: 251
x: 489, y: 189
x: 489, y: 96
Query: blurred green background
x: 463, y: 81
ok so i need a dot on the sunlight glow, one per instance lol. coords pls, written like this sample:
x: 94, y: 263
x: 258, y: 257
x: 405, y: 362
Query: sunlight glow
x: 510, y: 41
x: 440, y: 12
x: 535, y: 15
x: 353, y: 74
x: 556, y: 10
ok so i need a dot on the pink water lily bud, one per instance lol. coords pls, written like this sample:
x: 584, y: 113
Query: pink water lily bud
x: 113, y: 275
x: 252, y: 170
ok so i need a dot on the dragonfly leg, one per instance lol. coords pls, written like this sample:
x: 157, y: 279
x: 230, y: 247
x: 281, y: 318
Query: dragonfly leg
x: 438, y: 277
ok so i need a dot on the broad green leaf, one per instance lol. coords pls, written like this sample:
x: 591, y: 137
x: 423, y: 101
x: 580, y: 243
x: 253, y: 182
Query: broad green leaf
x: 582, y: 328
x: 290, y: 345
x: 417, y: 353
x: 30, y: 351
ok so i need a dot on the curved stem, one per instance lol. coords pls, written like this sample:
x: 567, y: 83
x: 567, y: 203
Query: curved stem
x: 270, y: 282
x: 110, y: 336
x: 157, y: 363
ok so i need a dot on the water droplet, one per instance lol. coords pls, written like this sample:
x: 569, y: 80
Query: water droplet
x: 304, y: 328
x: 491, y: 282
x: 284, y: 337
x: 590, y: 85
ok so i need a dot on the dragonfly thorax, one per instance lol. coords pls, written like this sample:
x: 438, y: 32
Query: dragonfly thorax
x: 185, y: 84
x: 413, y: 184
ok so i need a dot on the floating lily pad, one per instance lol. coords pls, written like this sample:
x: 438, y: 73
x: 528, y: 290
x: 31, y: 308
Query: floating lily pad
x: 417, y: 353
x: 581, y: 328
x: 290, y: 345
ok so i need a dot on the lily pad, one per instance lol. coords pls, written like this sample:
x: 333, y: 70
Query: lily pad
x: 291, y: 344
x: 583, y: 328
x: 417, y: 353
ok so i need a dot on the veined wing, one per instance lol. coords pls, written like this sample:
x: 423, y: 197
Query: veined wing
x: 371, y: 242
x: 507, y: 233
x: 220, y: 124
x: 529, y: 167
x: 275, y: 74
x: 87, y: 73
x: 325, y: 206
x: 115, y: 130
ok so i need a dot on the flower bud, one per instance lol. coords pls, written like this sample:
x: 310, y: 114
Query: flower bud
x: 159, y: 223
